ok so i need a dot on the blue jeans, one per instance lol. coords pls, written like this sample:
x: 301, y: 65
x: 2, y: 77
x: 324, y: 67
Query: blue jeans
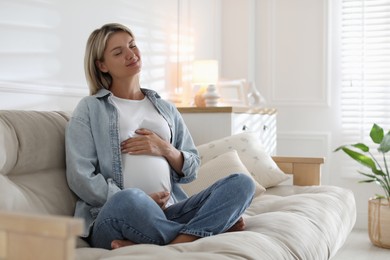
x: 132, y: 215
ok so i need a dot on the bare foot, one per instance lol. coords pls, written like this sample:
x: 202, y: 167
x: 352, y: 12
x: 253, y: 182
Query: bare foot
x: 184, y: 238
x: 121, y: 243
x: 239, y: 226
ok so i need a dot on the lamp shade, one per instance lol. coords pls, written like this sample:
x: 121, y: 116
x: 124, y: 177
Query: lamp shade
x: 205, y: 72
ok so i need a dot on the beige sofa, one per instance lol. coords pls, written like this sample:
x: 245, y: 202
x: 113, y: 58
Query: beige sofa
x: 284, y: 221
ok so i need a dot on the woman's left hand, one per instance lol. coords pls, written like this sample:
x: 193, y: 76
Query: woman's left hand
x: 161, y: 198
x: 146, y: 142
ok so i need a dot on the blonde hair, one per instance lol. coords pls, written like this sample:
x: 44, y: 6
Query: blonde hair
x: 94, y: 52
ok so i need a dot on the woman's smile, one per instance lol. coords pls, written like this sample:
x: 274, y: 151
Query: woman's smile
x: 132, y: 62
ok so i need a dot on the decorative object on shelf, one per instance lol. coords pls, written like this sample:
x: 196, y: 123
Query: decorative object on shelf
x: 210, y: 96
x: 232, y: 92
x: 379, y: 208
x: 253, y: 96
x: 199, y: 100
x: 240, y: 92
x: 204, y: 78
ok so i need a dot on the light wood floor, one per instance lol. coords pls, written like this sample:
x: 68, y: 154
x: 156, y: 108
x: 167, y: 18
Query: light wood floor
x: 359, y: 247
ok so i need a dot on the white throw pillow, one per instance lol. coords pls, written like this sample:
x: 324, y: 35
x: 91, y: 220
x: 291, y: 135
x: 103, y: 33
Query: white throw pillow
x: 252, y: 154
x: 218, y: 168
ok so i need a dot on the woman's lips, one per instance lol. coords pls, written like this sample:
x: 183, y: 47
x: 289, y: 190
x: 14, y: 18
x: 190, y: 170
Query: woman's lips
x: 132, y: 63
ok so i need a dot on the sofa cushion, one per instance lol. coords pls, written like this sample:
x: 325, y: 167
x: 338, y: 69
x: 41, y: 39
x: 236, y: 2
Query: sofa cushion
x: 39, y: 141
x: 251, y: 152
x: 32, y: 163
x: 8, y: 146
x: 218, y: 168
x: 286, y: 222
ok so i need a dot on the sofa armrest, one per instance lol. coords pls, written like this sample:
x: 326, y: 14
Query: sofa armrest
x: 306, y: 171
x: 28, y: 236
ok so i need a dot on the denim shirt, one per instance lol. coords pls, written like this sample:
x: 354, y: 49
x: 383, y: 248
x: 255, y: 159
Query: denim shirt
x: 93, y: 155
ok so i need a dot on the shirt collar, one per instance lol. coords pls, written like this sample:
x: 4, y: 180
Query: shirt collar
x: 147, y: 92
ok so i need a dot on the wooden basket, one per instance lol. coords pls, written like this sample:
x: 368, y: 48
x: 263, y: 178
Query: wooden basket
x: 379, y: 222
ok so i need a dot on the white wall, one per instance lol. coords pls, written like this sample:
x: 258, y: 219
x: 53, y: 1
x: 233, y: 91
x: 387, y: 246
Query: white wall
x: 238, y: 38
x: 42, y: 45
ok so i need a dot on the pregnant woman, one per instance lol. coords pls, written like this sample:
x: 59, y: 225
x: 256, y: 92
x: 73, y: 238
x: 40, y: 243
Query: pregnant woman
x: 127, y: 150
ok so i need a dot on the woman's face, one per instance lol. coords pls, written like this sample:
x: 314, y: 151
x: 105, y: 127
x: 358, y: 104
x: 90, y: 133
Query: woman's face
x: 121, y: 58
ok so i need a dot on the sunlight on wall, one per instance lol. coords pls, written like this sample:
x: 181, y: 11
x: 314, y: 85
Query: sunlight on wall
x: 186, y: 57
x: 43, y: 44
x: 28, y: 40
x: 158, y: 41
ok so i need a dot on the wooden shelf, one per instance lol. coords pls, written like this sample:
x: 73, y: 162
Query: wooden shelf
x: 247, y: 110
x: 307, y: 160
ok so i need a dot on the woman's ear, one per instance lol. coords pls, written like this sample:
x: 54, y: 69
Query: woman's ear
x: 101, y: 66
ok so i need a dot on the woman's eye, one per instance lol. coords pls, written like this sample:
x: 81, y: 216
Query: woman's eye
x: 132, y: 46
x: 117, y: 53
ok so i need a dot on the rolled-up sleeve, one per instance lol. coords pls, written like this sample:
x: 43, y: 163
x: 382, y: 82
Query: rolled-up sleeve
x: 183, y: 142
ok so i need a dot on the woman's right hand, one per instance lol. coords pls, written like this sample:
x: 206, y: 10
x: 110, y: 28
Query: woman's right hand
x: 161, y: 198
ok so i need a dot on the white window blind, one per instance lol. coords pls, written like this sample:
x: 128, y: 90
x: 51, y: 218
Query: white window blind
x: 365, y: 67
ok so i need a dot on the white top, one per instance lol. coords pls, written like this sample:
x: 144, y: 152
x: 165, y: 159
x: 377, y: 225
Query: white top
x: 146, y: 172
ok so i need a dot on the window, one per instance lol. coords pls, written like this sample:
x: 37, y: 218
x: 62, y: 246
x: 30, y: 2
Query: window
x: 365, y: 67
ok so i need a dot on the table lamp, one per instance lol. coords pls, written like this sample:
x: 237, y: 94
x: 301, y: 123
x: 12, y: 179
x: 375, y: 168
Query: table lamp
x: 205, y: 75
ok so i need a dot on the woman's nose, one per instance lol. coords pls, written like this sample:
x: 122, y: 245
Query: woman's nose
x: 130, y: 54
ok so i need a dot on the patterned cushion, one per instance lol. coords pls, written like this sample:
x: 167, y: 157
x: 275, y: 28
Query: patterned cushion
x: 251, y: 152
x: 217, y: 168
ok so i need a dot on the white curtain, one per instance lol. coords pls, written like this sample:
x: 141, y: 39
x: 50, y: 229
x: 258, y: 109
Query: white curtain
x: 365, y: 67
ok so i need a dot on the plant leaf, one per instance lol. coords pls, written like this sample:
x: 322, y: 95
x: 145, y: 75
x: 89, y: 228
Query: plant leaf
x: 367, y: 175
x: 384, y: 146
x: 376, y: 134
x: 366, y: 181
x: 361, y: 158
x: 378, y: 196
x: 378, y: 172
x: 362, y: 147
x: 339, y: 148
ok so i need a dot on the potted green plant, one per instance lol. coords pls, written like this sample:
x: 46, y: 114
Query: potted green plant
x: 378, y: 172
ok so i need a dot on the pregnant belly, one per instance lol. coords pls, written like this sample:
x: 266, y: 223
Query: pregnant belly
x: 146, y: 172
